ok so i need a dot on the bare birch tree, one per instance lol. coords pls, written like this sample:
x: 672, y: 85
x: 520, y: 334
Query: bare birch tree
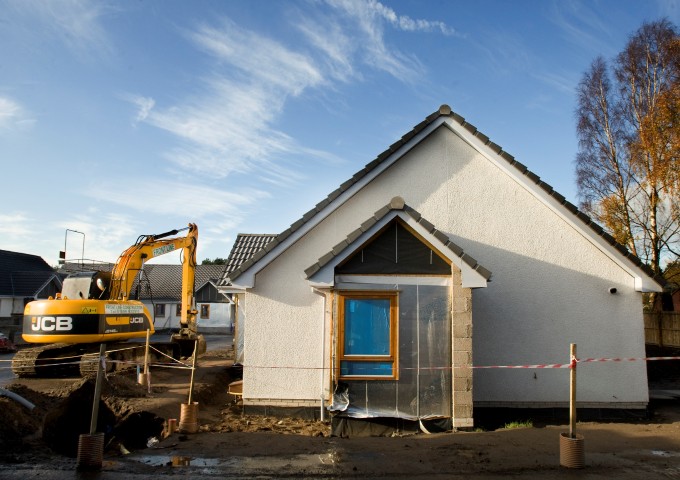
x: 628, y: 125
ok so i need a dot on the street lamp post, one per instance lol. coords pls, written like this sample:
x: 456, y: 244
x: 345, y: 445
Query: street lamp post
x: 82, y: 255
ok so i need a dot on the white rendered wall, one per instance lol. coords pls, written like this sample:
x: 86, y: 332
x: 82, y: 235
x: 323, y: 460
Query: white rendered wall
x: 5, y: 307
x: 219, y: 321
x: 549, y: 288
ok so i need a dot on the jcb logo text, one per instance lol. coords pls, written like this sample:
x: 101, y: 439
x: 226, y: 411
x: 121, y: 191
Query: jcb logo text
x: 51, y: 324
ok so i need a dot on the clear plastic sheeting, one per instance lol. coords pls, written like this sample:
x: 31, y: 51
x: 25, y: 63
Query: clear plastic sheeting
x: 424, y: 389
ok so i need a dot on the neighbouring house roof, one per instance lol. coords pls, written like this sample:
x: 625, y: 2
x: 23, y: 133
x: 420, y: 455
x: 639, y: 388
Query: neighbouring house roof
x: 165, y: 281
x: 85, y: 266
x: 321, y: 273
x: 444, y: 116
x: 245, y: 246
x: 22, y: 274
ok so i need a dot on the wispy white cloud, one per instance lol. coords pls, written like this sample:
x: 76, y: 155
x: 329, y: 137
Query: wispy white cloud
x: 175, y: 198
x: 402, y: 22
x: 107, y: 234
x: 367, y: 25
x: 262, y: 59
x: 144, y: 105
x: 230, y: 124
x: 13, y: 115
x: 14, y: 226
x: 75, y: 23
x: 335, y: 46
x: 226, y: 130
x: 505, y: 52
x: 563, y: 83
x: 582, y: 26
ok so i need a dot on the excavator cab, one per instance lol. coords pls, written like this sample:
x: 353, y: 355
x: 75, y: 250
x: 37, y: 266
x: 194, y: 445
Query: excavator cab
x: 86, y: 285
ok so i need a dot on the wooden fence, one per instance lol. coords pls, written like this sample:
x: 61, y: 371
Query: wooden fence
x: 662, y: 329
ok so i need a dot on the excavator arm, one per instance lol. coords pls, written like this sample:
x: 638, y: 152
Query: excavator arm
x: 132, y: 260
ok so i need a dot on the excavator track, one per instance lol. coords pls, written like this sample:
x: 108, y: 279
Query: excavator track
x: 125, y: 356
x: 62, y: 360
x: 48, y: 361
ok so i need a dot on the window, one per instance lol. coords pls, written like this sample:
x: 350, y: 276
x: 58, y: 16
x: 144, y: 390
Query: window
x: 159, y: 309
x: 178, y: 310
x: 205, y: 311
x: 367, y: 340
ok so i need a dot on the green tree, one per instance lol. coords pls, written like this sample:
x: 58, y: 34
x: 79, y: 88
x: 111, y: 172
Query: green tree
x: 217, y: 261
x: 628, y: 121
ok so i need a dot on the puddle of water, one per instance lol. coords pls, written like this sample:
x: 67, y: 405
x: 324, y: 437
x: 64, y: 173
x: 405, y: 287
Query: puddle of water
x: 665, y: 453
x: 260, y: 462
x: 161, y: 460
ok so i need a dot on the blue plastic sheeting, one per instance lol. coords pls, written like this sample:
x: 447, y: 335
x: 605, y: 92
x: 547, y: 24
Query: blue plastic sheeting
x: 367, y: 326
x: 366, y: 368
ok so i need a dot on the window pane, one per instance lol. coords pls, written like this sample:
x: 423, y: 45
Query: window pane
x: 381, y: 369
x: 367, y: 326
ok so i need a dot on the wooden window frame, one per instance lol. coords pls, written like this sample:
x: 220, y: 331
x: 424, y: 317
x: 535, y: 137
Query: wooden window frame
x: 206, y: 307
x: 178, y: 310
x: 159, y: 310
x: 393, y: 356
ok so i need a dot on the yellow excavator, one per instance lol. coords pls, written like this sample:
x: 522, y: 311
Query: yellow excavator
x: 95, y: 307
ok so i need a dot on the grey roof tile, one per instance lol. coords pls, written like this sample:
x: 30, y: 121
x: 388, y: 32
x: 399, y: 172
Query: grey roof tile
x: 426, y: 225
x: 368, y: 224
x: 164, y: 282
x: 445, y: 111
x: 245, y: 246
x: 483, y: 138
x: 22, y: 274
x: 455, y: 249
x: 532, y: 176
x: 441, y: 236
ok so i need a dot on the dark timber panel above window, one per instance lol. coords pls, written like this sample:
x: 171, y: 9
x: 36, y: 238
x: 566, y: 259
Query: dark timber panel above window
x: 395, y: 250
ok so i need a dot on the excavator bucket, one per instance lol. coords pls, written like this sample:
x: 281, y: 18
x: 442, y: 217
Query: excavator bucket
x: 187, y: 344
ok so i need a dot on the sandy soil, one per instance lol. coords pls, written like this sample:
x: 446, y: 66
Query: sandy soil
x: 232, y: 445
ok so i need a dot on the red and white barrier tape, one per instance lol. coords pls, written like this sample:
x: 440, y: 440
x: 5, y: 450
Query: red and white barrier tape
x: 646, y: 359
x: 573, y: 362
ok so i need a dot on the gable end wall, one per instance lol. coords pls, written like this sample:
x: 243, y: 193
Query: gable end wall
x: 549, y: 288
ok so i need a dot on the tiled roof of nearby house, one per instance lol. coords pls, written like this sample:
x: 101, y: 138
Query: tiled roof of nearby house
x: 22, y: 274
x: 85, y: 266
x: 397, y: 203
x: 245, y: 246
x: 165, y: 281
x: 444, y: 111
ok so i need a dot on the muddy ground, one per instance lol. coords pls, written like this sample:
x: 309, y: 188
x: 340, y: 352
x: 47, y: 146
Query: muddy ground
x: 42, y: 443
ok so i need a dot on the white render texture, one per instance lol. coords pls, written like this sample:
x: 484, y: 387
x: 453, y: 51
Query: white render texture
x: 549, y: 288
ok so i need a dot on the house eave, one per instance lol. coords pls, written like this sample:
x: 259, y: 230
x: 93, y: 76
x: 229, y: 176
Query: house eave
x: 247, y: 277
x: 641, y: 280
x: 557, y: 204
x: 324, y: 277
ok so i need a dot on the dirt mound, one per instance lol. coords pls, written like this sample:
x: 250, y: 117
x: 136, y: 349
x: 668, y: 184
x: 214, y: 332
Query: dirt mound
x: 63, y: 412
x: 233, y: 420
x: 65, y: 423
x: 20, y: 427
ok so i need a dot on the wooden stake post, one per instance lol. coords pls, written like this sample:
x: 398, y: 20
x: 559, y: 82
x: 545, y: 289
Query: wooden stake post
x: 193, y: 369
x: 146, y: 353
x: 572, y: 391
x: 97, y: 389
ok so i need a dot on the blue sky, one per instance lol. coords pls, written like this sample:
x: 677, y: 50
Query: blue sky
x: 125, y: 118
